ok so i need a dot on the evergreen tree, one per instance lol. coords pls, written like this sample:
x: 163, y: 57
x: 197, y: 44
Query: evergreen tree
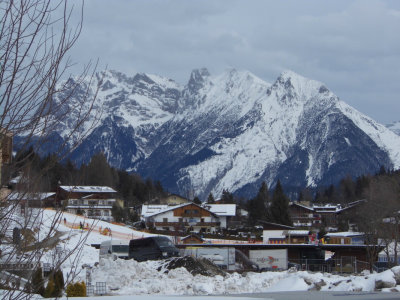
x: 197, y: 201
x: 258, y: 207
x: 210, y: 199
x: 227, y: 197
x: 49, y: 291
x: 99, y: 172
x: 279, y: 209
x: 347, y: 189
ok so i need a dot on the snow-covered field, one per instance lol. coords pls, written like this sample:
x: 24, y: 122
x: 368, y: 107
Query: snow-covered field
x: 128, y: 277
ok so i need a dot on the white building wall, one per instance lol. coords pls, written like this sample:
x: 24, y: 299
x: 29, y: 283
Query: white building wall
x: 267, y: 234
x: 171, y: 218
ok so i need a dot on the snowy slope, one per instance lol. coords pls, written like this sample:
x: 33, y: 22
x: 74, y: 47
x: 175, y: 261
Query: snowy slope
x: 395, y: 127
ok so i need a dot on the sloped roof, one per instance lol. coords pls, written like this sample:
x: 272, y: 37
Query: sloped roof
x: 344, y: 234
x: 15, y: 196
x: 148, y: 210
x: 302, y: 205
x: 276, y: 225
x: 87, y: 189
x: 227, y: 210
x: 298, y: 232
x: 169, y: 207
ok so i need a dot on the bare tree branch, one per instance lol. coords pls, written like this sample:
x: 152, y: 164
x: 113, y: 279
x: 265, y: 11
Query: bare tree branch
x: 34, y: 43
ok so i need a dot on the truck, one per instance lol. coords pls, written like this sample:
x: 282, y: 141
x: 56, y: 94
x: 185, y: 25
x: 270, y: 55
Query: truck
x: 114, y: 249
x: 267, y: 260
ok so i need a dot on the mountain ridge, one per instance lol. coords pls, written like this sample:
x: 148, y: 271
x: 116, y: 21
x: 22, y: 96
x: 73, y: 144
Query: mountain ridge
x: 231, y: 131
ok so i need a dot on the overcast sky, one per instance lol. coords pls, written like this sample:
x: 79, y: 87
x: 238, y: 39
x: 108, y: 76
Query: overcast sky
x: 351, y: 46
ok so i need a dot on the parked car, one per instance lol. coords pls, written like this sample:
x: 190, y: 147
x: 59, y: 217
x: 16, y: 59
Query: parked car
x: 152, y: 248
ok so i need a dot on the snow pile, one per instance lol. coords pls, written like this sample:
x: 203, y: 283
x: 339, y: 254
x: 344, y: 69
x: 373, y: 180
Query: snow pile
x: 129, y: 277
x: 136, y: 278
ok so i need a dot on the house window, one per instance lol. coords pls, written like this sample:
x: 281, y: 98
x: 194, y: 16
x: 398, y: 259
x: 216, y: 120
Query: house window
x: 202, y: 220
x: 180, y: 220
x: 165, y: 220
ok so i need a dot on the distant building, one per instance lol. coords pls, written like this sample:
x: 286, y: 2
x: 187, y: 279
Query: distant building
x: 274, y: 233
x: 173, y: 199
x: 32, y: 199
x: 318, y: 215
x: 225, y: 212
x: 183, y: 217
x: 91, y: 201
x: 192, y: 239
x: 344, y: 238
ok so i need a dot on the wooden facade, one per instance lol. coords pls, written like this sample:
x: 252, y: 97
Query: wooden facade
x: 191, y: 211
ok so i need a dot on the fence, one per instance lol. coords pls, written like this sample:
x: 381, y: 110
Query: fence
x: 343, y: 264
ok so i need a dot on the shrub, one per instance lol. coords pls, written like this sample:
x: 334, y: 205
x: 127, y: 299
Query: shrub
x: 77, y: 289
x: 58, y: 283
x: 49, y: 291
x: 37, y: 282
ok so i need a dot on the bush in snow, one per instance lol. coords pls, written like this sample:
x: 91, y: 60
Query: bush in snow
x: 77, y: 289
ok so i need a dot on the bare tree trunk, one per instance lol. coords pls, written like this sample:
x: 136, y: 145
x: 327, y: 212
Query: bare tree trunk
x: 35, y: 37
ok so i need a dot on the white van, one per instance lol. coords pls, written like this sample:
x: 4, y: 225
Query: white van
x: 115, y: 249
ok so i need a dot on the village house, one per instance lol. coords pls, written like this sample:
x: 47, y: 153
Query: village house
x: 274, y: 233
x: 315, y: 216
x: 91, y: 201
x: 344, y: 238
x: 225, y: 212
x: 173, y: 199
x: 38, y: 200
x: 184, y: 217
x: 282, y: 234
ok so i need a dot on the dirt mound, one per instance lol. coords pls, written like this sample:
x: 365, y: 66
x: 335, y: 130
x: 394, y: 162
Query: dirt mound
x: 195, y: 266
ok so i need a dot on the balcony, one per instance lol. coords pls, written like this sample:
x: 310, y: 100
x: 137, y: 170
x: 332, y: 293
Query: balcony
x: 89, y: 206
x: 186, y: 224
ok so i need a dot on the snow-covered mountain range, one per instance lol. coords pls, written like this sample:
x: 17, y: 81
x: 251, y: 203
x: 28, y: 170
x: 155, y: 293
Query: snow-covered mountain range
x: 231, y: 131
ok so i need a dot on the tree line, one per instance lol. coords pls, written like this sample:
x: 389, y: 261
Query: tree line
x: 132, y: 188
x: 381, y: 189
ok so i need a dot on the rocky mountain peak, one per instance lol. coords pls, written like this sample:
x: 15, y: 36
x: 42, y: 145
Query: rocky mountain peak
x: 197, y: 79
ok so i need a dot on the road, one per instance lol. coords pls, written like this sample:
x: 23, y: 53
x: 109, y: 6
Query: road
x: 310, y: 295
x: 314, y: 295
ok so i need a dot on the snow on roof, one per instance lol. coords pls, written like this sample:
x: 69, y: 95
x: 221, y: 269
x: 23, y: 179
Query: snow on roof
x: 16, y: 180
x: 168, y: 208
x: 29, y: 196
x: 221, y: 209
x: 298, y: 232
x: 148, y: 210
x: 345, y: 234
x: 302, y: 205
x: 87, y: 189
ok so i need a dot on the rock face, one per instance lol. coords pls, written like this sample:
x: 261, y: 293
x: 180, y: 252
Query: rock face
x: 230, y: 131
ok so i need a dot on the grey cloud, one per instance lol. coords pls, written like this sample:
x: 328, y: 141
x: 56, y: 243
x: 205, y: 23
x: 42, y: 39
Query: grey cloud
x: 351, y: 46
